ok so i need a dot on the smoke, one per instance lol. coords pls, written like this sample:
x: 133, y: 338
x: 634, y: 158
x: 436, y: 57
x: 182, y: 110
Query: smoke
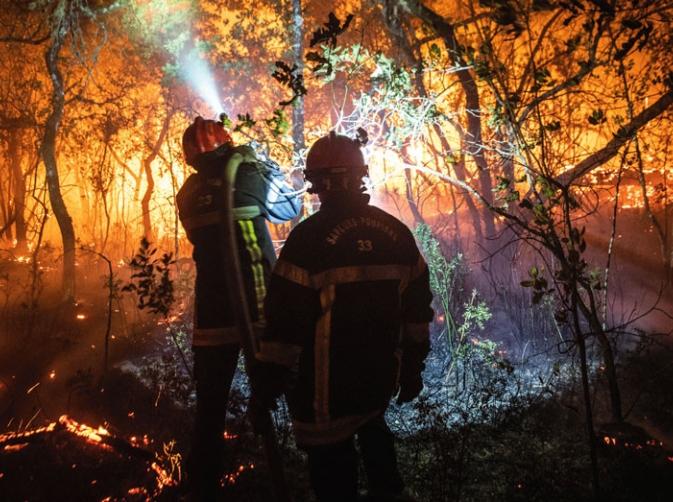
x: 196, y: 72
x: 168, y: 26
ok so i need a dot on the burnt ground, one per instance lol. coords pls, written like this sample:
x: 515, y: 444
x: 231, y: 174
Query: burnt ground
x: 533, y: 447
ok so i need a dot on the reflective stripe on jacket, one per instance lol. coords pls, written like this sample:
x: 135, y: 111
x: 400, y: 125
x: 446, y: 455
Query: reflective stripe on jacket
x: 201, y: 206
x: 349, y: 284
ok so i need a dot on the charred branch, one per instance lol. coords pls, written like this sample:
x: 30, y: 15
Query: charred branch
x: 621, y: 137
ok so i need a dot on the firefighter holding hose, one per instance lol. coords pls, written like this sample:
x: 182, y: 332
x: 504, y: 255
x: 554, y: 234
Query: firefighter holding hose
x: 347, y: 311
x: 260, y: 194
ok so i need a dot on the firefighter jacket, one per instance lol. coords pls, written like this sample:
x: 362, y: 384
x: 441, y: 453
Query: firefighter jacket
x: 259, y: 194
x: 349, y: 299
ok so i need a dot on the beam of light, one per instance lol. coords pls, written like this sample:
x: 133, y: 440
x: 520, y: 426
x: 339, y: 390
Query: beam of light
x: 196, y: 72
x: 168, y: 26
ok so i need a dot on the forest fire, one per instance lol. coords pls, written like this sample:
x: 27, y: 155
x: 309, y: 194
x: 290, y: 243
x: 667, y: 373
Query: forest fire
x: 100, y: 437
x: 14, y: 447
x: 164, y: 479
x: 613, y: 441
x: 228, y: 436
x: 92, y: 435
x: 14, y: 437
x: 527, y: 146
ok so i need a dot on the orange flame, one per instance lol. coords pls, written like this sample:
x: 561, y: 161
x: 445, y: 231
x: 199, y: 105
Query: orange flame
x: 89, y: 433
x: 163, y: 478
x: 14, y: 447
x: 138, y: 490
x: 94, y: 436
x: 232, y: 477
x: 12, y: 436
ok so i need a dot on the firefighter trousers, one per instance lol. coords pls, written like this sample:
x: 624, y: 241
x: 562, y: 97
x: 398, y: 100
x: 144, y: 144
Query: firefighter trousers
x: 333, y: 468
x: 214, y: 369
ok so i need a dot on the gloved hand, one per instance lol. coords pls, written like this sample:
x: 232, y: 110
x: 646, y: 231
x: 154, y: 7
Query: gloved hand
x: 268, y: 383
x: 412, y: 365
x: 410, y: 388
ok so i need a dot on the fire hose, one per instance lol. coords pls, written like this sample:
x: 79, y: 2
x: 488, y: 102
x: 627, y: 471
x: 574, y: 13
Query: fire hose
x: 239, y: 303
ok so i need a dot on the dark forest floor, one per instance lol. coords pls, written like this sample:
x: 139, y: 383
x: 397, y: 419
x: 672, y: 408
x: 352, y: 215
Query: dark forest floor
x: 532, y: 449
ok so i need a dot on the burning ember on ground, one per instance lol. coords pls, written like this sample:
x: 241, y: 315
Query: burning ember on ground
x: 100, y: 437
x: 231, y: 478
x: 228, y: 436
x: 613, y: 441
x: 89, y: 433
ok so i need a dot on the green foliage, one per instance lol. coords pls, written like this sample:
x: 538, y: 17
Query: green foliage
x: 538, y: 283
x: 163, y: 25
x: 390, y: 76
x: 461, y: 321
x: 326, y: 37
x: 445, y: 276
x: 165, y: 372
x: 475, y: 315
x: 245, y: 121
x: 151, y: 280
x: 597, y: 117
x: 542, y: 77
x: 278, y: 123
x: 506, y: 191
x: 332, y: 60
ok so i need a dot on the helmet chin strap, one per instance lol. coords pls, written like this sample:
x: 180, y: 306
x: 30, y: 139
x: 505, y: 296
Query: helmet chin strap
x: 339, y: 179
x: 352, y: 184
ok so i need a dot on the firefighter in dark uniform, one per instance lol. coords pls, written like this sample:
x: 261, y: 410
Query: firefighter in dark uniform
x: 347, y: 310
x: 260, y: 194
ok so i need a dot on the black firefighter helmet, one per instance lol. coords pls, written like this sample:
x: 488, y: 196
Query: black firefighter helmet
x: 335, y: 163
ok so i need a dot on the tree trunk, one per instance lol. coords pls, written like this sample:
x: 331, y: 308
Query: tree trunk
x: 297, y: 54
x: 84, y: 209
x: 612, y: 147
x: 48, y: 151
x: 147, y: 197
x: 409, y: 191
x: 6, y: 213
x: 394, y: 26
x: 19, y: 188
x: 298, y: 143
x: 474, y: 140
x: 147, y: 167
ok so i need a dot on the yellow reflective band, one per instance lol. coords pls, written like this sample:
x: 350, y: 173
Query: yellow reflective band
x: 416, y: 332
x: 418, y: 269
x: 343, y: 275
x: 245, y: 212
x: 361, y: 273
x: 292, y: 273
x: 330, y: 431
x: 255, y: 252
x: 284, y: 354
x: 322, y: 349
